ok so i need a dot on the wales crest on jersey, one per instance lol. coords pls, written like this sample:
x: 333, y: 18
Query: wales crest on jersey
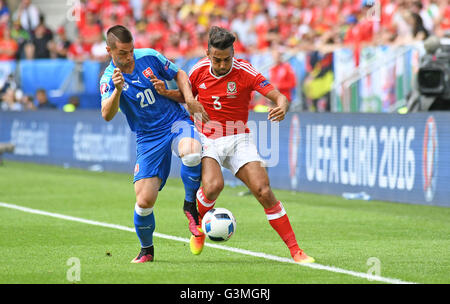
x: 231, y: 88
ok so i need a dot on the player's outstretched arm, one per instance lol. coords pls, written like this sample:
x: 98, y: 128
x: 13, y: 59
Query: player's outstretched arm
x: 110, y: 106
x: 282, y: 105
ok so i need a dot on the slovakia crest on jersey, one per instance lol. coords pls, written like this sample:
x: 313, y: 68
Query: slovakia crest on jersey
x: 231, y: 87
x: 147, y: 72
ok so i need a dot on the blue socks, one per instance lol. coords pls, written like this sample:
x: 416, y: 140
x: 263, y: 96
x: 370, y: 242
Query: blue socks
x: 191, y: 177
x: 144, y: 223
x: 144, y: 219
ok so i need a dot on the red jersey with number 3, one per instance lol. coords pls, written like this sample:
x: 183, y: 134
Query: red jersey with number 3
x: 226, y: 98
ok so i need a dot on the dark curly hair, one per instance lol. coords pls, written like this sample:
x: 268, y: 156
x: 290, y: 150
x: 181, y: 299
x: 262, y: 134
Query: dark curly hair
x: 220, y: 38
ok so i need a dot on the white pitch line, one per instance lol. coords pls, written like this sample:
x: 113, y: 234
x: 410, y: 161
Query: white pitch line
x: 236, y: 250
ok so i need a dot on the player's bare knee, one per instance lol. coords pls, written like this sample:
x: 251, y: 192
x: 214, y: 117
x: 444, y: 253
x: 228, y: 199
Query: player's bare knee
x: 145, y: 200
x: 189, y: 146
x: 143, y: 203
x: 212, y: 188
x: 263, y: 193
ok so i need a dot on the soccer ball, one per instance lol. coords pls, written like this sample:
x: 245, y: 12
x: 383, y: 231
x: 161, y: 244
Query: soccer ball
x: 219, y: 224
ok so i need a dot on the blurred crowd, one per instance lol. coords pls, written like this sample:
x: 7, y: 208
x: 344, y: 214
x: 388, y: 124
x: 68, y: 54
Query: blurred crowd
x: 179, y: 28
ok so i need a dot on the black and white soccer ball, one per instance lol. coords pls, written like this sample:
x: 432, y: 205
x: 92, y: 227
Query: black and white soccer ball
x: 219, y: 224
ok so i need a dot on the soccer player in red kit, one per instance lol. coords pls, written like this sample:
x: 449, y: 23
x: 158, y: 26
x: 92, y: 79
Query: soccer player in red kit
x: 223, y: 85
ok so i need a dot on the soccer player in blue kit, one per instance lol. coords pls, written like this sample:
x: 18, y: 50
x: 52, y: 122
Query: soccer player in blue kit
x: 161, y: 125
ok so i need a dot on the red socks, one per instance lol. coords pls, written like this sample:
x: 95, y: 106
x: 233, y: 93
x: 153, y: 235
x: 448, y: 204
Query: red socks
x: 204, y: 204
x: 276, y: 216
x: 279, y: 221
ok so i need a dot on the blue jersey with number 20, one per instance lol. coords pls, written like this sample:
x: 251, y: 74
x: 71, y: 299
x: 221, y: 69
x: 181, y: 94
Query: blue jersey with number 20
x: 145, y: 110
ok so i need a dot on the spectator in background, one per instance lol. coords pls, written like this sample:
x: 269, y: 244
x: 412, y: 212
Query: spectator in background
x: 91, y: 29
x: 433, y: 11
x: 59, y: 47
x: 28, y: 15
x: 72, y: 105
x: 156, y: 31
x: 192, y: 42
x: 244, y: 27
x: 282, y: 75
x: 42, y: 100
x: 171, y: 50
x: 8, y: 46
x: 10, y: 82
x: 79, y: 50
x: 318, y: 81
x: 41, y: 40
x: 261, y: 25
x: 98, y: 50
x: 4, y: 13
x: 262, y: 30
x: 6, y: 98
x: 13, y: 97
x: 400, y: 23
x: 119, y: 8
x: 426, y: 15
x: 137, y: 6
x: 187, y: 8
x: 189, y: 46
x: 141, y: 40
x: 239, y: 48
x: 10, y: 102
x: 22, y: 37
x: 353, y: 36
x: 27, y: 103
x: 419, y: 32
x: 443, y: 18
x: 108, y: 21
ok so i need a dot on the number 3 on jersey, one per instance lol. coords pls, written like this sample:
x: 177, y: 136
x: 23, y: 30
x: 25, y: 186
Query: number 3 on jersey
x: 216, y: 104
x: 147, y: 98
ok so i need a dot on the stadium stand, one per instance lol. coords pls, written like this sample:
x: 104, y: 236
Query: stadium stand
x: 73, y: 30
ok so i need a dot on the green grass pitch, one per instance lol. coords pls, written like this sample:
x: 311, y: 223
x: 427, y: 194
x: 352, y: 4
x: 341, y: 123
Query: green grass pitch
x: 410, y: 243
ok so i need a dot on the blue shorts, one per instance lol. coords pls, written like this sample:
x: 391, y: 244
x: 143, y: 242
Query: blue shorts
x: 154, y: 151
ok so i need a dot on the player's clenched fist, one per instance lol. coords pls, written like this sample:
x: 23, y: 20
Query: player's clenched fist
x: 118, y: 79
